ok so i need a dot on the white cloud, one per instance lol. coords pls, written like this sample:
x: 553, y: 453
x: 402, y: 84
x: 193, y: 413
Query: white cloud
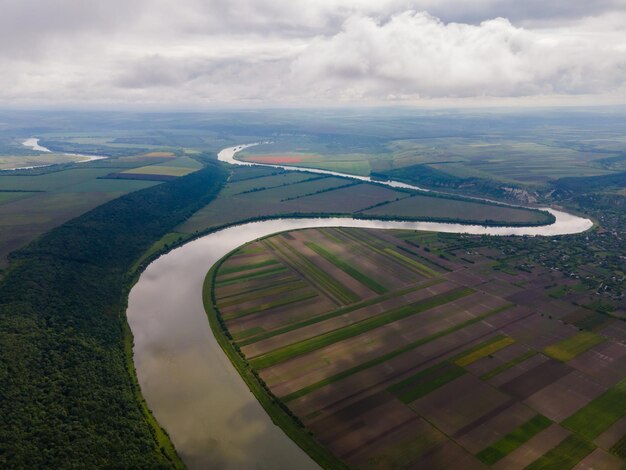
x: 200, y: 52
x: 416, y: 55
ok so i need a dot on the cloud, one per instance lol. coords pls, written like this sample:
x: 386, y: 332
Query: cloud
x: 417, y: 55
x: 526, y: 12
x: 204, y: 52
x: 31, y: 28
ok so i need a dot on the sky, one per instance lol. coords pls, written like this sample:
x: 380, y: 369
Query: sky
x: 204, y: 53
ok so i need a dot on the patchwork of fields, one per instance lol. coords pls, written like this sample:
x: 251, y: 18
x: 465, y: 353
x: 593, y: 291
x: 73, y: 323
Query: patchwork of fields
x: 503, y: 159
x: 172, y: 167
x: 419, y: 350
x: 33, y: 202
x: 355, y: 164
x: 506, y: 160
x: 8, y: 162
x: 260, y: 192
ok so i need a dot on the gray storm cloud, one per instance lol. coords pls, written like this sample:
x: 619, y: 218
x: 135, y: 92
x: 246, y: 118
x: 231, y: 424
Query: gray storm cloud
x: 137, y: 52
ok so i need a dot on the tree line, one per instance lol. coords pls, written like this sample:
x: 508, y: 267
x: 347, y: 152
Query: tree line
x: 67, y: 396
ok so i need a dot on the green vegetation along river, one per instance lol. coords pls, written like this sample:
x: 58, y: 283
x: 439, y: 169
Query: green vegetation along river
x: 212, y: 418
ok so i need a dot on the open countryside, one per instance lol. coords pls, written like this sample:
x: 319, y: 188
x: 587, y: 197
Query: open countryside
x: 315, y: 314
x: 367, y: 337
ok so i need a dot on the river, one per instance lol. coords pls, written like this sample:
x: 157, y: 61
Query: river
x: 33, y: 143
x: 194, y: 392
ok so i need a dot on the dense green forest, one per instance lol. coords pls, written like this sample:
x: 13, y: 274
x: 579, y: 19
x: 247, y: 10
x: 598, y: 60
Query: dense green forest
x: 67, y: 398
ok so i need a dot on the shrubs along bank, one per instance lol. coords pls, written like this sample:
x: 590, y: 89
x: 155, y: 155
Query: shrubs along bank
x: 67, y: 391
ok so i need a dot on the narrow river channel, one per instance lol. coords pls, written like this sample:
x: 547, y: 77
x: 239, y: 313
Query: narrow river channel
x: 196, y: 395
x: 33, y: 144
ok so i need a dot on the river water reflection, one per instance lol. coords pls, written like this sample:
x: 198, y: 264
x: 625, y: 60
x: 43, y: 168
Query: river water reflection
x: 212, y: 418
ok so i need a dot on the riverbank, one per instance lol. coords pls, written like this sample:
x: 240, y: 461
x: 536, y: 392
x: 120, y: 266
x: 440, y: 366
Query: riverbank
x: 70, y: 394
x: 33, y: 144
x: 227, y: 155
x: 277, y: 411
x: 220, y: 422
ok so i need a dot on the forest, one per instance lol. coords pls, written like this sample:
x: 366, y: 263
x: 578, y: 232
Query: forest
x: 67, y: 397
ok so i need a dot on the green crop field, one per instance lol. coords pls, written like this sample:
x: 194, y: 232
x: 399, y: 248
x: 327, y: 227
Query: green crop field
x: 507, y: 159
x: 336, y: 313
x: 432, y: 207
x: 507, y: 365
x: 53, y: 180
x: 254, y: 193
x: 34, y: 201
x: 111, y: 186
x: 513, y: 440
x: 356, y: 274
x: 314, y: 274
x: 361, y: 327
x: 422, y: 383
x: 13, y: 195
x: 416, y: 265
x: 182, y: 162
x: 564, y: 456
x: 160, y: 170
x: 601, y: 413
x: 386, y: 357
x: 571, y: 347
x: 292, y: 298
x: 356, y: 164
x: 487, y: 348
x: 285, y: 286
x: 249, y: 276
x: 247, y: 267
x: 24, y: 219
x: 619, y: 448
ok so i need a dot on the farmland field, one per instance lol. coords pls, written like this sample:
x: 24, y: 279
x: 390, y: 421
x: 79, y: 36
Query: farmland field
x: 8, y: 162
x: 48, y: 199
x: 504, y: 158
x: 23, y: 219
x: 176, y: 167
x: 344, y: 163
x: 160, y: 170
x: 424, y: 206
x: 256, y: 193
x: 368, y: 336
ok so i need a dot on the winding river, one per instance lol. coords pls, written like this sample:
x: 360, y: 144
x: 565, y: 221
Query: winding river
x: 33, y: 143
x: 212, y: 418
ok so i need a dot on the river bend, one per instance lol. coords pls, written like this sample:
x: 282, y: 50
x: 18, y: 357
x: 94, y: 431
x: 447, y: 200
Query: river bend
x: 194, y: 392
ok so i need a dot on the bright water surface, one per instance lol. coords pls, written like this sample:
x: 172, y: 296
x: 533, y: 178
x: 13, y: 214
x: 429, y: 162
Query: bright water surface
x: 33, y: 143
